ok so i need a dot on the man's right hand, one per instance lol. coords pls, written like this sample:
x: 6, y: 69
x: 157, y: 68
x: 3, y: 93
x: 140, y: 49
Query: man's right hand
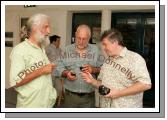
x: 70, y: 76
x: 48, y: 68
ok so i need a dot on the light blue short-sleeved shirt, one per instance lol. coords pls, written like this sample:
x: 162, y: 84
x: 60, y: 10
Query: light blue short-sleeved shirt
x: 71, y: 60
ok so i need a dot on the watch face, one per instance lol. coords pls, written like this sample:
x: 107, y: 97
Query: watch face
x: 103, y: 90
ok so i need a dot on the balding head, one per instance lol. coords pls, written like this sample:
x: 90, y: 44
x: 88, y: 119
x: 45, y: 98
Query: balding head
x: 86, y: 28
x: 82, y: 35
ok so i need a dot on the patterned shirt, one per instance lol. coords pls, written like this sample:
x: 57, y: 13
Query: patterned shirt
x: 120, y: 73
x: 26, y: 58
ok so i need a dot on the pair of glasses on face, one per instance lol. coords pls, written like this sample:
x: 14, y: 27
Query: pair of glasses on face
x: 83, y: 39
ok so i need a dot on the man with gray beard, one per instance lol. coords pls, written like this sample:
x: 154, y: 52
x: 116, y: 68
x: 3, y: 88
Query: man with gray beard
x: 34, y: 87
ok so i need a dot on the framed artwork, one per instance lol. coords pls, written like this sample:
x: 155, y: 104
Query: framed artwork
x: 8, y: 39
x: 23, y: 23
x: 96, y: 35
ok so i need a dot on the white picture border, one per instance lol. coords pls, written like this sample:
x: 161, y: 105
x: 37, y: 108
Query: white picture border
x: 156, y: 109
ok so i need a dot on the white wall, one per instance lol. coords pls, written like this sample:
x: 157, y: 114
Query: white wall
x: 59, y: 25
x: 58, y: 22
x: 61, y: 21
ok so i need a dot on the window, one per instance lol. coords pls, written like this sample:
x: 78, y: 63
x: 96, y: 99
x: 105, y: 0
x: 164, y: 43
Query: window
x: 138, y: 30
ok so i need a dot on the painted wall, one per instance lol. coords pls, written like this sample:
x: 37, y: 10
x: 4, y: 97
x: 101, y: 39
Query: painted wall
x: 61, y: 21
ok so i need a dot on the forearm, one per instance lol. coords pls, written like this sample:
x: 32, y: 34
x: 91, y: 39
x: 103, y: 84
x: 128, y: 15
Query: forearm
x: 96, y: 83
x: 29, y: 77
x: 134, y: 89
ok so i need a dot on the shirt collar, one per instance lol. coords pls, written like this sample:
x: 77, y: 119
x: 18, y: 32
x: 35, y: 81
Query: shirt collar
x: 88, y: 48
x: 33, y: 45
x: 123, y: 52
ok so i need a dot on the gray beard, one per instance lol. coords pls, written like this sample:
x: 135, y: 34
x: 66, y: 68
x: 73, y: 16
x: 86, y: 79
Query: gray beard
x: 43, y: 40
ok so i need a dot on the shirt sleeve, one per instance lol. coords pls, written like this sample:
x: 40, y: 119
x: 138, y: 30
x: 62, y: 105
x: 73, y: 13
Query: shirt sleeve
x: 100, y: 60
x: 98, y: 57
x: 60, y: 62
x: 100, y: 76
x: 141, y: 71
x: 17, y: 68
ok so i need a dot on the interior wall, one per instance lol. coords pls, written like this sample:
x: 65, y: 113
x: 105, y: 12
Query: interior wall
x: 61, y: 21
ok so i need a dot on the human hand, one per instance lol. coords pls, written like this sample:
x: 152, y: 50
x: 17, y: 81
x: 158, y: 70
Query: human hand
x: 71, y: 76
x: 87, y: 77
x: 87, y: 68
x: 114, y: 93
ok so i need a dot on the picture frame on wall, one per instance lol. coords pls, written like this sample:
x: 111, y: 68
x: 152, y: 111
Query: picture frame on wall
x: 22, y: 27
x: 8, y: 39
x: 96, y: 31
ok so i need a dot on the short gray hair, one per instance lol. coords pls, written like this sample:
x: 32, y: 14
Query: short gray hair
x: 84, y: 26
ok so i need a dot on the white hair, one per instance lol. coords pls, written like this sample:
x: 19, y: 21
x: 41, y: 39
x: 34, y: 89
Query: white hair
x: 84, y: 27
x: 35, y: 20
